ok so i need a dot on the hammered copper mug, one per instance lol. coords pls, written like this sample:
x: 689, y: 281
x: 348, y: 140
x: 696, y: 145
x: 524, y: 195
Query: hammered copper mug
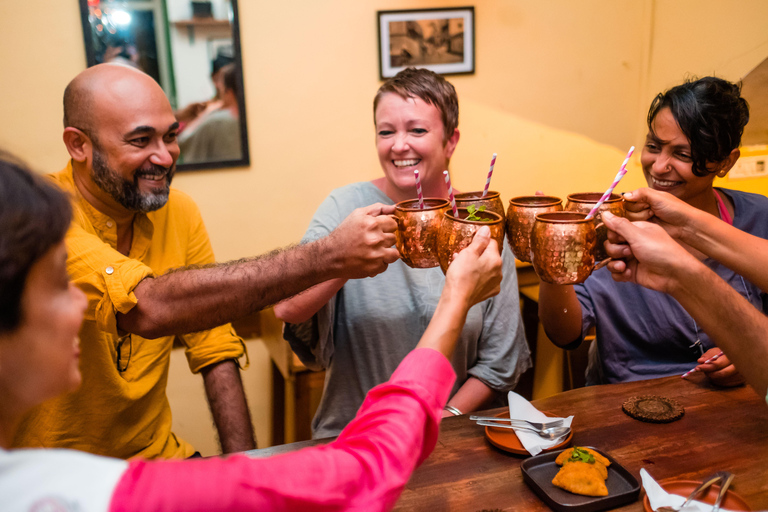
x: 417, y: 230
x: 563, y: 246
x: 491, y: 201
x: 585, y: 201
x: 520, y: 216
x: 456, y: 233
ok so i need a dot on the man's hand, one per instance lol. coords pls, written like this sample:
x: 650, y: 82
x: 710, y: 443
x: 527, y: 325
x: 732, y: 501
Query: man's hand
x: 660, y: 208
x: 649, y: 257
x: 475, y: 272
x: 721, y: 372
x: 365, y: 242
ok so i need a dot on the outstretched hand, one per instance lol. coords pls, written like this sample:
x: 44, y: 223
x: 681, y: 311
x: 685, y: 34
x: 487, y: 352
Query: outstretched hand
x: 644, y: 253
x: 365, y: 241
x: 475, y: 272
x: 658, y: 207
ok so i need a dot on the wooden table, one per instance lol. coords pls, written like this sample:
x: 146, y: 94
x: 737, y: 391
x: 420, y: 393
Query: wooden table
x: 723, y: 429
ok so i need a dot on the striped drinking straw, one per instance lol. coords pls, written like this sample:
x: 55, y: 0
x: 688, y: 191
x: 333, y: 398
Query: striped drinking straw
x: 622, y: 172
x: 710, y: 360
x: 490, y: 173
x: 418, y: 188
x: 450, y: 194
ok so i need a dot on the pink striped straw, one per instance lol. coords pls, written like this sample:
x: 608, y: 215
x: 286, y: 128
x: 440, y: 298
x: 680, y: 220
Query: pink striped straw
x: 450, y: 194
x: 418, y: 188
x: 710, y: 360
x: 616, y: 180
x: 490, y: 173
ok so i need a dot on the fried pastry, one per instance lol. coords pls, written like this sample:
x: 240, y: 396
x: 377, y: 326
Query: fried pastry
x: 581, y: 478
x: 567, y: 454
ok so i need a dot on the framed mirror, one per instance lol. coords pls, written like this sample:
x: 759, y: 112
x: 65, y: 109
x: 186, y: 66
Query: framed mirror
x: 192, y: 49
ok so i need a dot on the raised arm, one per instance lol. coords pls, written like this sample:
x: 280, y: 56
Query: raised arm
x: 560, y: 313
x: 652, y: 259
x: 368, y: 466
x: 191, y: 300
x: 743, y: 253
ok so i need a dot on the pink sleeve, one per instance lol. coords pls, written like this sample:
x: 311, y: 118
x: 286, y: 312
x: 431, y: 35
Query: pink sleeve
x: 366, y: 468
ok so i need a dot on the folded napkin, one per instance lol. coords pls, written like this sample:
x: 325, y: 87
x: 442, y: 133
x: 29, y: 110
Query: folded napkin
x: 658, y: 497
x: 521, y: 409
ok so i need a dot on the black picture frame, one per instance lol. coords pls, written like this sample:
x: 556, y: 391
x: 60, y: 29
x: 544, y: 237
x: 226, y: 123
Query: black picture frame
x: 244, y: 160
x: 441, y: 39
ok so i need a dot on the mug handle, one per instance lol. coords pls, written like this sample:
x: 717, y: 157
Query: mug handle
x: 606, y: 261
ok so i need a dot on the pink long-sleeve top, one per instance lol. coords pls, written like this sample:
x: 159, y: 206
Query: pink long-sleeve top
x: 365, y: 468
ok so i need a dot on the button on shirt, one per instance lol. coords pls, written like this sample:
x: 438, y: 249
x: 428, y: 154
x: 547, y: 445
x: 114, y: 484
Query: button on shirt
x: 121, y: 408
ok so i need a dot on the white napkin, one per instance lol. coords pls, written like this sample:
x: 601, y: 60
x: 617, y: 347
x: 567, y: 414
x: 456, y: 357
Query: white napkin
x: 521, y: 409
x: 658, y: 497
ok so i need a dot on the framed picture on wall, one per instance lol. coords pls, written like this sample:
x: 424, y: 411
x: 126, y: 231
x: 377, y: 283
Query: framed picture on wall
x: 442, y: 40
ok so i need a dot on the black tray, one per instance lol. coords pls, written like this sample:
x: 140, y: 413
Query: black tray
x: 539, y: 471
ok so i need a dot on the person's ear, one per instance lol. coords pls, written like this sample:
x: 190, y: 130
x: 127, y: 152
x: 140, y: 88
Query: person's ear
x: 450, y: 145
x: 79, y: 145
x: 728, y: 163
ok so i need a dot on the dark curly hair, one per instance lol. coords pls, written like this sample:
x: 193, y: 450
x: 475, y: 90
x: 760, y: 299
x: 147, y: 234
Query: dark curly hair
x: 428, y: 86
x: 711, y: 113
x: 34, y: 216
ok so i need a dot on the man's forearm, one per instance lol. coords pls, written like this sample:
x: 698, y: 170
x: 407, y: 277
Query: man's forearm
x: 229, y: 408
x: 734, y: 325
x: 193, y: 300
x: 742, y: 252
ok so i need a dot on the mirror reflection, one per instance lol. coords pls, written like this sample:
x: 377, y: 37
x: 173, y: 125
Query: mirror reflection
x: 192, y: 49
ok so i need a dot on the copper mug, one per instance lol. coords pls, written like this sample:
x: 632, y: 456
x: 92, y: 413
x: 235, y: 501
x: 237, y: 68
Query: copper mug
x: 564, y: 247
x: 585, y: 201
x: 520, y: 216
x: 456, y: 233
x: 491, y: 201
x: 417, y: 230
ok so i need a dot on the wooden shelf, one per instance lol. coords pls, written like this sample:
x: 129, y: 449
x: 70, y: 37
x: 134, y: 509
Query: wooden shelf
x: 202, y: 22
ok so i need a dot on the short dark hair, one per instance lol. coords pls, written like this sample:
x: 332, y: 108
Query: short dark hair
x: 711, y: 113
x: 430, y: 88
x: 34, y: 216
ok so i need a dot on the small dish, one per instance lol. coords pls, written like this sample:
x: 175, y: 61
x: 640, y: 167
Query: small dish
x: 539, y: 471
x: 505, y: 439
x: 732, y: 501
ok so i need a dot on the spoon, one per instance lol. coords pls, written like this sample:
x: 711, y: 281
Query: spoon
x: 547, y: 433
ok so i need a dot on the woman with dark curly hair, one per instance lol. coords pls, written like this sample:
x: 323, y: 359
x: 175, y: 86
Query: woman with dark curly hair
x: 694, y: 132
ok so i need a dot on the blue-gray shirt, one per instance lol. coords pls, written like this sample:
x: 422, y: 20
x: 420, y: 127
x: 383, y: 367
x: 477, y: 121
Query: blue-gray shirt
x: 370, y: 325
x: 644, y: 334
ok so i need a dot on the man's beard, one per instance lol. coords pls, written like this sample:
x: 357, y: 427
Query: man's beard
x: 127, y: 193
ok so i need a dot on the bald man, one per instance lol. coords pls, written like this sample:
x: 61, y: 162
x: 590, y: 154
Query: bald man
x: 129, y: 229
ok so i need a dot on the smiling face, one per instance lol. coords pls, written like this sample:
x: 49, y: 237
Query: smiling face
x: 667, y: 163
x: 410, y: 136
x: 130, y: 148
x: 40, y: 359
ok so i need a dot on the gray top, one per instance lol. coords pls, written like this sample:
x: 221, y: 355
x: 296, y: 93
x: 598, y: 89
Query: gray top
x: 371, y: 324
x: 216, y: 138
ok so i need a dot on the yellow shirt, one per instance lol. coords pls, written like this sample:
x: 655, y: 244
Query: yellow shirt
x: 121, y: 409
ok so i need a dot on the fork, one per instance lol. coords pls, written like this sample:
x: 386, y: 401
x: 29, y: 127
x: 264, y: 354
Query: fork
x: 538, y: 426
x: 722, y: 476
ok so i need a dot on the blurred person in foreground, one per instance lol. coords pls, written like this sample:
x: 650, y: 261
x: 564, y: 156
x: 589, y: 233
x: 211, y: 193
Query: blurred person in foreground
x: 129, y: 230
x: 653, y: 254
x: 366, y: 468
x: 360, y: 330
x: 694, y: 132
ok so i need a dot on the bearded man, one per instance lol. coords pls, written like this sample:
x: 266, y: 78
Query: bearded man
x: 129, y: 228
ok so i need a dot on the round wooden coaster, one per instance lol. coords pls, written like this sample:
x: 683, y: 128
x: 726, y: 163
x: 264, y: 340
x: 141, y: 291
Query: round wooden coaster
x: 653, y: 409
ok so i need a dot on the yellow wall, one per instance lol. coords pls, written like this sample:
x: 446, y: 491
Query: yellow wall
x: 560, y: 93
